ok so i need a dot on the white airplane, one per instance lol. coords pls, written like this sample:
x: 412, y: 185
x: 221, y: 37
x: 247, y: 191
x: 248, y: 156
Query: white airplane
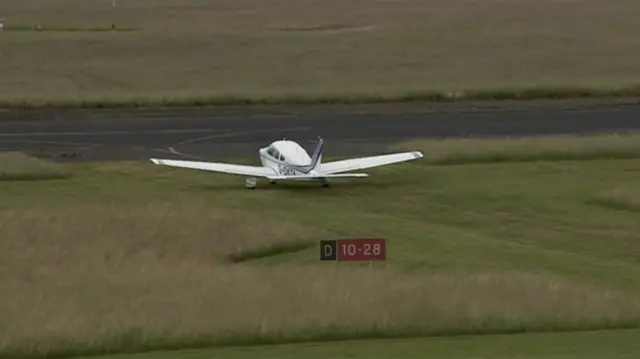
x: 287, y: 160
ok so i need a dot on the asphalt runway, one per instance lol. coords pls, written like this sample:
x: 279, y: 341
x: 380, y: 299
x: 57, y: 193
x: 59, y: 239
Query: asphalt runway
x: 210, y: 133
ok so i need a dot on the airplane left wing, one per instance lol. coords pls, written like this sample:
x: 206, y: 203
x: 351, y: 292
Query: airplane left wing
x: 367, y: 162
x: 217, y: 167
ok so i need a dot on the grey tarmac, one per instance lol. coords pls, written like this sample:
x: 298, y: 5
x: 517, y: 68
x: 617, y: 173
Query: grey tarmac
x: 226, y: 132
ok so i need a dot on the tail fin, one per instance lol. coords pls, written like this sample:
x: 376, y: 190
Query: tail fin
x: 316, y: 157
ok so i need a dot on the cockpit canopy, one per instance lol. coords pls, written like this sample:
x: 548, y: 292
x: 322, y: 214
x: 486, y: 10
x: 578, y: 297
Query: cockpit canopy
x: 273, y: 152
x: 295, y: 154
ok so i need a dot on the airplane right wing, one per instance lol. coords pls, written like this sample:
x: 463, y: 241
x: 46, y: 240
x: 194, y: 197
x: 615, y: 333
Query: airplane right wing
x: 367, y: 162
x: 256, y: 171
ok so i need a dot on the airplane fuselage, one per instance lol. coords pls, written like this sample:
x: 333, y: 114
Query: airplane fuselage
x: 287, y: 158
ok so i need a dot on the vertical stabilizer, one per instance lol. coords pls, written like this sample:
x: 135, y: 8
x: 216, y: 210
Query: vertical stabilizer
x: 316, y: 157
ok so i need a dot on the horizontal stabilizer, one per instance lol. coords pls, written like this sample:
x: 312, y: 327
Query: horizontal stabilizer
x: 257, y: 171
x: 307, y: 177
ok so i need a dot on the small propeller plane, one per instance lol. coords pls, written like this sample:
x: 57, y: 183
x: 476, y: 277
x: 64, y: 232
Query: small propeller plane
x: 287, y: 160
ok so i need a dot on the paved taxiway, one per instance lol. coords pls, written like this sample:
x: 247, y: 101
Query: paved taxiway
x: 348, y: 130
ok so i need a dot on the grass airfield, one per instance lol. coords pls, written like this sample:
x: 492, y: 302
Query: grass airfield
x: 492, y: 237
x: 486, y: 237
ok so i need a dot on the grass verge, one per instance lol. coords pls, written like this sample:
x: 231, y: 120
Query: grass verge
x: 527, y: 149
x: 332, y: 98
x: 619, y: 344
x: 17, y: 166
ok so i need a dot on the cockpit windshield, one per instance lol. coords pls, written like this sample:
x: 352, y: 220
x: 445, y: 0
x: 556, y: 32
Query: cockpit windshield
x: 273, y: 152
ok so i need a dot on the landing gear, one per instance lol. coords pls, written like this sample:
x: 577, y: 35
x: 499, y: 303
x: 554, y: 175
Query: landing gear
x: 272, y: 181
x: 325, y: 184
x: 250, y: 183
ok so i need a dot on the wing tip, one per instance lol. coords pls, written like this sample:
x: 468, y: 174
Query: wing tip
x: 156, y: 161
x: 417, y: 154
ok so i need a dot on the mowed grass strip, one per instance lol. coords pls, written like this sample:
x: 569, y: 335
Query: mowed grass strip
x: 185, y: 52
x: 619, y: 344
x: 18, y: 166
x: 526, y: 149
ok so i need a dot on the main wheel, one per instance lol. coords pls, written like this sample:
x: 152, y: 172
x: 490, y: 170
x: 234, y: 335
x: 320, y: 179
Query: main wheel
x: 250, y: 183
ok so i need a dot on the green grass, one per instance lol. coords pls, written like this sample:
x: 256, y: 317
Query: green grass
x: 583, y: 345
x: 192, y: 53
x: 133, y: 257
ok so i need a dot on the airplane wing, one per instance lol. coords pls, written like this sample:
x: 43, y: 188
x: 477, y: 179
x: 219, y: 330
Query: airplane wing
x: 367, y: 162
x: 256, y: 171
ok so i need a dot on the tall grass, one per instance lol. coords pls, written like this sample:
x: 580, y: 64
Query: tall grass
x: 140, y: 305
x: 17, y: 166
x: 108, y: 278
x: 112, y: 233
x: 526, y: 149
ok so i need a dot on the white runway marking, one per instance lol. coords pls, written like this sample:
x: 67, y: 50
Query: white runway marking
x: 233, y: 134
x: 53, y: 143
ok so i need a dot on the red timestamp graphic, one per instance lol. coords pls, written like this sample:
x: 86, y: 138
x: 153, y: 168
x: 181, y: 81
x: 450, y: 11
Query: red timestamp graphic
x: 361, y: 249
